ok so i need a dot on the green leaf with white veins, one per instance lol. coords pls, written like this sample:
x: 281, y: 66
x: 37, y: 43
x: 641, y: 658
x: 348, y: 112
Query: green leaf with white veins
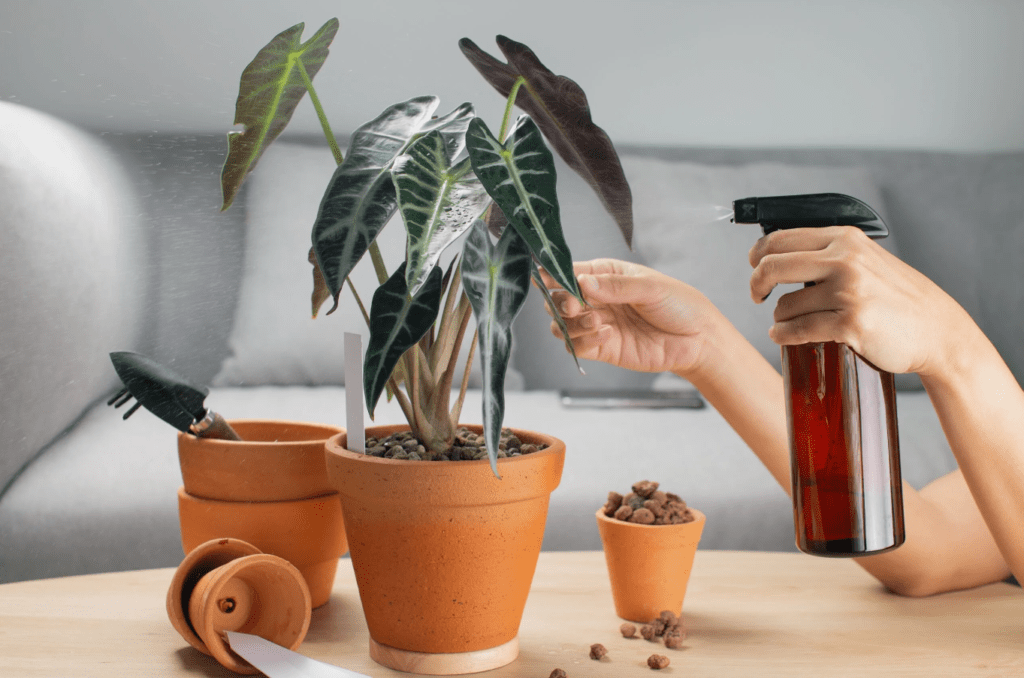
x: 438, y: 203
x: 361, y: 196
x: 271, y: 87
x: 520, y: 177
x: 397, y: 322
x: 496, y: 279
x: 559, y: 320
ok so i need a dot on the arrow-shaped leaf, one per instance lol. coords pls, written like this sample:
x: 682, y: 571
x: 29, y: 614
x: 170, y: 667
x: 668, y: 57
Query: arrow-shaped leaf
x: 520, y: 177
x: 561, y: 110
x: 271, y: 87
x: 438, y: 203
x: 361, y: 197
x: 496, y: 279
x: 559, y: 320
x: 397, y: 322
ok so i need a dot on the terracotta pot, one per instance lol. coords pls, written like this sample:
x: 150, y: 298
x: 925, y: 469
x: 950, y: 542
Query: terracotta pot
x: 270, y: 489
x: 443, y: 552
x: 308, y: 533
x: 228, y: 585
x: 649, y: 565
x: 274, y: 461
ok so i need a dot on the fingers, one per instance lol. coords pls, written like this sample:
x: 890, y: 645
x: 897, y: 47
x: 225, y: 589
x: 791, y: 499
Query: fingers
x: 779, y: 269
x: 803, y: 255
x: 594, y: 266
x: 796, y: 240
x: 587, y: 341
x: 807, y: 300
x: 815, y: 327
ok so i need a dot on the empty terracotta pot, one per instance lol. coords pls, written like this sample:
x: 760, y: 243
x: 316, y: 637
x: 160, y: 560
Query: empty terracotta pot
x: 308, y: 533
x: 274, y: 461
x: 443, y: 552
x: 649, y: 565
x: 228, y: 585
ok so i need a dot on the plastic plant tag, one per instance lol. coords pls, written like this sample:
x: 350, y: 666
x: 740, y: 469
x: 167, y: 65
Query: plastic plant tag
x: 354, y: 395
x: 279, y: 662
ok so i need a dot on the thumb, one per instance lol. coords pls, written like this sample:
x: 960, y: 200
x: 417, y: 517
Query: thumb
x: 615, y: 288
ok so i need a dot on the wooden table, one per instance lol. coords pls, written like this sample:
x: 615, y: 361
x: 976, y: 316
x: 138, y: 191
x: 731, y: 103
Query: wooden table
x: 747, y: 614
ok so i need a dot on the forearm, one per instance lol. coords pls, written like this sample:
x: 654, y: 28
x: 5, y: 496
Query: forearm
x: 981, y: 408
x: 945, y: 547
x: 748, y: 392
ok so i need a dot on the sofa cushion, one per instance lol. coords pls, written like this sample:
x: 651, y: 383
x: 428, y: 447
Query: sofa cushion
x: 70, y: 268
x: 104, y: 497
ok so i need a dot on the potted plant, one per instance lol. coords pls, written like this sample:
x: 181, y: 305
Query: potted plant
x: 409, y: 521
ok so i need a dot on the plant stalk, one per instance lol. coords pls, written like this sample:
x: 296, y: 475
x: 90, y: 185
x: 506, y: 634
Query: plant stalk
x: 331, y: 141
x: 508, y: 107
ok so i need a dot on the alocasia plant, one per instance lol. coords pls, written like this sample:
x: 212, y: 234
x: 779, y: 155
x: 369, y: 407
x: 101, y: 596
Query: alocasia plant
x: 448, y: 176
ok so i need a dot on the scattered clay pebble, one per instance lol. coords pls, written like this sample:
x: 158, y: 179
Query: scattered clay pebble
x: 647, y: 505
x: 466, y: 446
x: 643, y: 517
x: 557, y: 673
x: 647, y: 631
x: 613, y: 503
x: 658, y: 661
x: 645, y: 488
x: 628, y: 630
x: 674, y: 640
x: 597, y: 650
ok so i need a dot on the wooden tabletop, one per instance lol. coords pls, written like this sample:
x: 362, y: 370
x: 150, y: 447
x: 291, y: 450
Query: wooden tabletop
x: 747, y: 614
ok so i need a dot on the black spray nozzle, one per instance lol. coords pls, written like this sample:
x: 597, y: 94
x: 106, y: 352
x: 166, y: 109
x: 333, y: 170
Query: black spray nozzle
x: 811, y: 210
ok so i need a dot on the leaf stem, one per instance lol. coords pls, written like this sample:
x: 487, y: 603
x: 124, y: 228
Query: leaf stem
x: 331, y: 141
x: 508, y: 107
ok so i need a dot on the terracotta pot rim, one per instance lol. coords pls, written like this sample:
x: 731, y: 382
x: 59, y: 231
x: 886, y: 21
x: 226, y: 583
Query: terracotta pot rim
x: 188, y: 496
x: 335, y: 430
x: 555, y: 447
x: 700, y: 518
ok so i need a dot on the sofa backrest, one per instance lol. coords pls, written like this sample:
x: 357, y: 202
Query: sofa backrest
x: 70, y: 270
x: 956, y: 217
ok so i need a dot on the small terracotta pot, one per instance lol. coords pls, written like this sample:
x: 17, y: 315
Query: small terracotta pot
x: 308, y: 533
x: 649, y: 565
x: 274, y: 461
x: 228, y: 585
x: 443, y: 552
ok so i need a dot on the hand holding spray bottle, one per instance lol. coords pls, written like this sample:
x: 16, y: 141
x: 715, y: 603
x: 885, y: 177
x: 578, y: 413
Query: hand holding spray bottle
x: 841, y: 409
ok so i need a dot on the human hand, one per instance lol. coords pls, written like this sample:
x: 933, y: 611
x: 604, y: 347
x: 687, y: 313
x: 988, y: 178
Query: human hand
x: 863, y: 296
x: 638, y: 318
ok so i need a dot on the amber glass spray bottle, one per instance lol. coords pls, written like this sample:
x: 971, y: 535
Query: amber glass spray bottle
x: 841, y: 409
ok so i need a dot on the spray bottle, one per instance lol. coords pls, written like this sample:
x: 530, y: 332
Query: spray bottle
x: 841, y: 409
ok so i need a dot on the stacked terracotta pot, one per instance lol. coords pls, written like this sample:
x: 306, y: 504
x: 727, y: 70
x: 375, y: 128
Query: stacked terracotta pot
x: 271, y: 490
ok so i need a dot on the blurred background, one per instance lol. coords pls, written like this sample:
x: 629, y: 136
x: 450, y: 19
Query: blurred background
x: 925, y: 74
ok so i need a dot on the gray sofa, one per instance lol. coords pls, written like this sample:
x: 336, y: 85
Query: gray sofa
x: 115, y: 242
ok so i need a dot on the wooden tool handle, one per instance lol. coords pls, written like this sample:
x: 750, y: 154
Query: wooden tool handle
x: 214, y: 426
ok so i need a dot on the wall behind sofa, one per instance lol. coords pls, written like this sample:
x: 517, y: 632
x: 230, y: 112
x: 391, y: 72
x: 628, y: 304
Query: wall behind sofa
x: 927, y: 74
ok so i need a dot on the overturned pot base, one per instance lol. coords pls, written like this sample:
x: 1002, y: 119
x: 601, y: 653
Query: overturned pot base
x: 228, y: 585
x: 308, y: 533
x: 444, y: 664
